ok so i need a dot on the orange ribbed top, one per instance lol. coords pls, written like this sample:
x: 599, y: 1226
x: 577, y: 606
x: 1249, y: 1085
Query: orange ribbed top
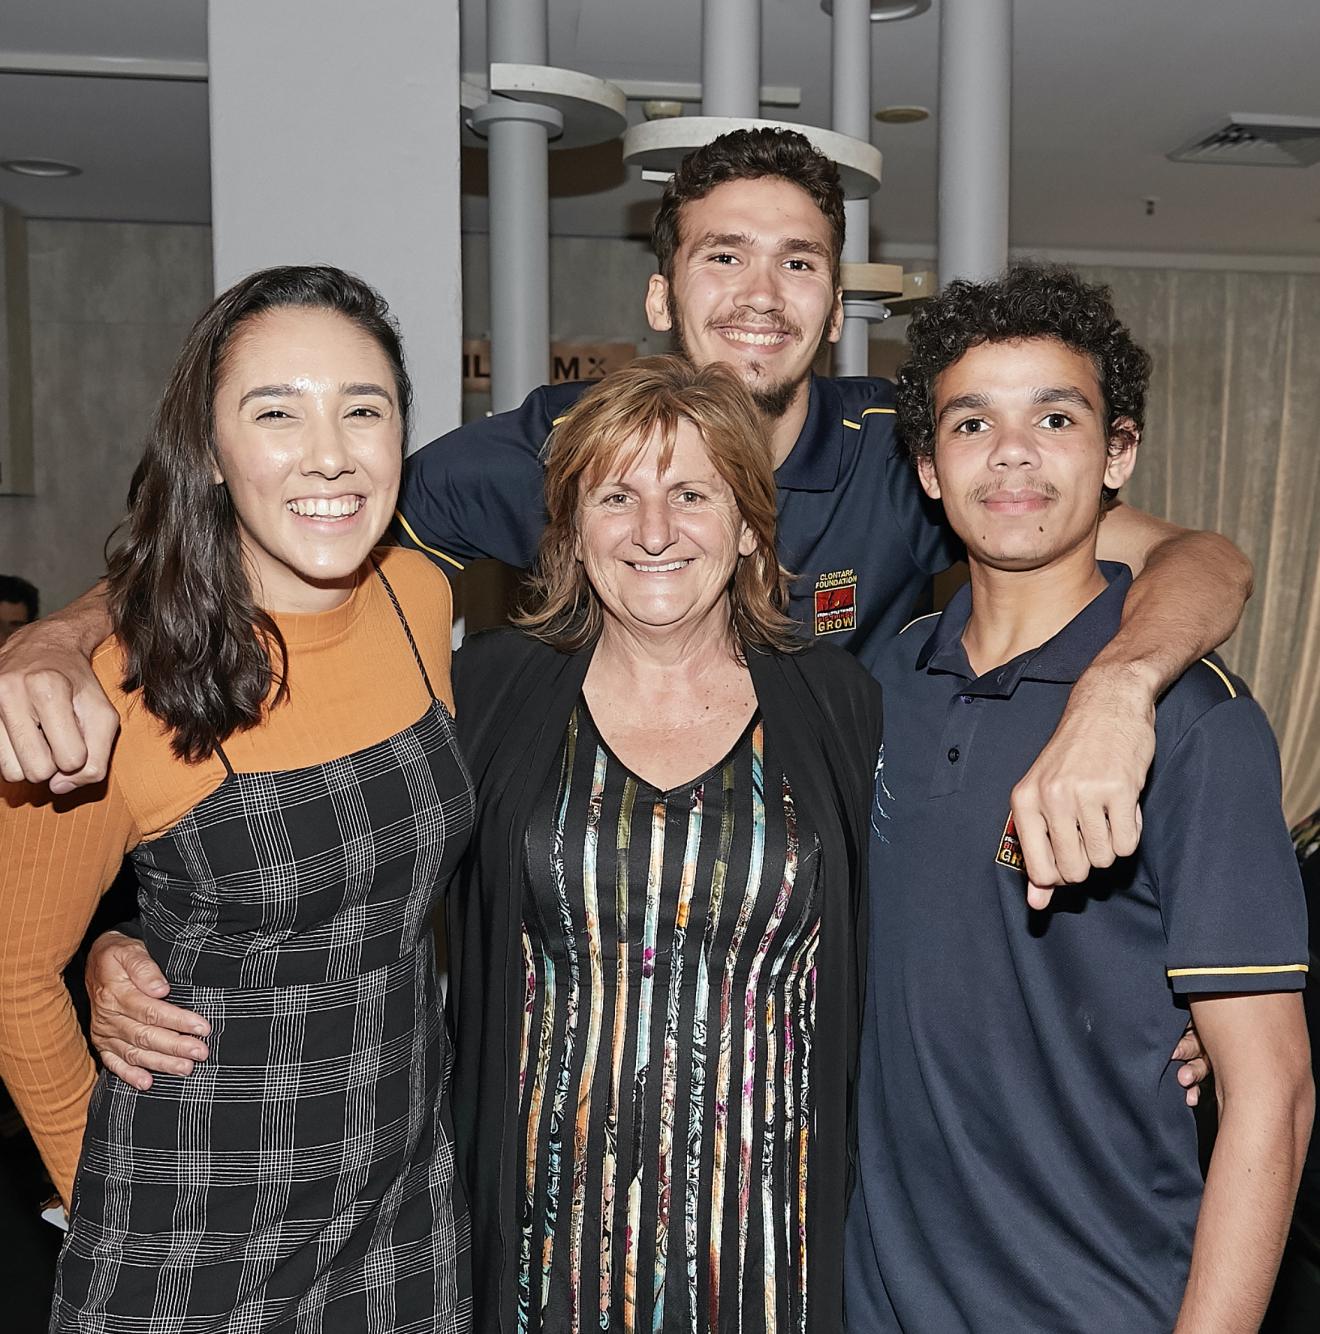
x: 352, y: 682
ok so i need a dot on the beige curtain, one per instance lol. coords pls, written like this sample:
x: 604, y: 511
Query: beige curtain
x: 1232, y: 444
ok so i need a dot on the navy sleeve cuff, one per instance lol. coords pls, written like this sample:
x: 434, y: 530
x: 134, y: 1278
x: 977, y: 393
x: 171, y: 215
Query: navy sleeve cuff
x: 1238, y: 977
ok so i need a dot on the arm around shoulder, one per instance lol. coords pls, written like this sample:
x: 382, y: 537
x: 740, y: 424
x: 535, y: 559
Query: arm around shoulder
x: 476, y: 492
x: 56, y: 724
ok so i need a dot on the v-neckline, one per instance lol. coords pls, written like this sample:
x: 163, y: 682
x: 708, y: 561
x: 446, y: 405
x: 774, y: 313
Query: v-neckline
x: 688, y: 784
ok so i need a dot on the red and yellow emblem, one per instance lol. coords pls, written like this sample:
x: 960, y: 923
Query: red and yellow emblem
x: 836, y: 602
x: 1010, y: 848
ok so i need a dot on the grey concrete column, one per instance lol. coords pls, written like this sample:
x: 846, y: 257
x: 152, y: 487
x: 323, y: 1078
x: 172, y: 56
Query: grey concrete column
x: 308, y: 168
x: 731, y: 58
x: 976, y: 77
x: 851, y: 114
x: 517, y: 33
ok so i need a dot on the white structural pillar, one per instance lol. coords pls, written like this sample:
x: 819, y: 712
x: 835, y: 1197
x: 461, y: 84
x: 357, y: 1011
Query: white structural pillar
x: 519, y: 165
x: 851, y: 114
x: 976, y: 79
x: 336, y: 143
x: 731, y: 58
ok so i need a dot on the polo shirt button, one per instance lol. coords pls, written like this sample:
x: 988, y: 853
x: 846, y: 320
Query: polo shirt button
x: 954, y: 752
x: 966, y: 699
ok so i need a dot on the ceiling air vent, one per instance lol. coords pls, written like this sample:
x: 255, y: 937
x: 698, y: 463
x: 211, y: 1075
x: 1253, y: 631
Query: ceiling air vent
x: 1257, y: 141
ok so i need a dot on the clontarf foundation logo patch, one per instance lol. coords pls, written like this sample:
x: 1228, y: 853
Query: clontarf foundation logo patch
x: 1010, y: 848
x: 836, y: 602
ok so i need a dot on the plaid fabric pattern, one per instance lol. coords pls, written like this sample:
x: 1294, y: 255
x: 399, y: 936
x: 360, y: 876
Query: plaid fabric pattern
x: 302, y: 1178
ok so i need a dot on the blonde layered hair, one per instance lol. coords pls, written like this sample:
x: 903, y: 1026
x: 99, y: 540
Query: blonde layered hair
x: 644, y: 401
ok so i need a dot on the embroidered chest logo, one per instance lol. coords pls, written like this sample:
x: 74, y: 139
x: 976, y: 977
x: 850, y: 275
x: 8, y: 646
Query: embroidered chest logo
x: 1010, y: 849
x: 836, y: 602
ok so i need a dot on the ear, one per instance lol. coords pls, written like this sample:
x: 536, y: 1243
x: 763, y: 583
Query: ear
x: 657, y: 304
x: 836, y: 317
x: 1124, y: 441
x: 928, y: 477
x: 746, y: 541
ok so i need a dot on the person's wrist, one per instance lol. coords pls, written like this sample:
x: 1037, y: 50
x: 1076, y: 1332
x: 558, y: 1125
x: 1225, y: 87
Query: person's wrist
x: 1138, y: 682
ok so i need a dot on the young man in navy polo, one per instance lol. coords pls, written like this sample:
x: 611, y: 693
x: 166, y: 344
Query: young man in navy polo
x: 1026, y: 1160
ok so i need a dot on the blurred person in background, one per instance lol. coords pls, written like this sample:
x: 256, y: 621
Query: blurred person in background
x: 18, y: 604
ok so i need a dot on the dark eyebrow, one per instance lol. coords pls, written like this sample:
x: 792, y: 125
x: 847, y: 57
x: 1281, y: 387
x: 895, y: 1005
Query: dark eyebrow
x: 800, y: 244
x: 962, y: 402
x: 365, y: 387
x: 1062, y: 394
x: 723, y: 241
x: 269, y: 391
x: 292, y: 391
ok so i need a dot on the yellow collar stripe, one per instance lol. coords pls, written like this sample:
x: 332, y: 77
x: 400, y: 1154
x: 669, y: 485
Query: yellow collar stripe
x: 407, y: 528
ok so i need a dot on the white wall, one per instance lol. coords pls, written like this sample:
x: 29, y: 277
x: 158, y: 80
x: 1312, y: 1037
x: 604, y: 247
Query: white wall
x: 334, y: 139
x: 110, y: 306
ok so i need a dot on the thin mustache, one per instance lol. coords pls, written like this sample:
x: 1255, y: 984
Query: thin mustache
x: 979, y: 493
x: 755, y: 321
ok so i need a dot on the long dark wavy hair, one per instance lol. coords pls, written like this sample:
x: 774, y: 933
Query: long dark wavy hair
x: 206, y: 658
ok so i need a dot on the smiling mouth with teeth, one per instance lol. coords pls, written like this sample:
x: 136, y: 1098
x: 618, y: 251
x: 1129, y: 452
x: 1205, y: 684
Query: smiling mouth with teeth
x: 771, y: 339
x: 340, y: 507
x: 665, y: 568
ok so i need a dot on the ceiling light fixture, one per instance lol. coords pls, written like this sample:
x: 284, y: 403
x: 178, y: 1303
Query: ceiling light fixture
x: 882, y: 11
x: 46, y: 168
x: 902, y: 115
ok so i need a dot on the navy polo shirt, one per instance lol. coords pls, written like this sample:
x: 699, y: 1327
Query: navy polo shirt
x: 855, y: 529
x: 1026, y: 1160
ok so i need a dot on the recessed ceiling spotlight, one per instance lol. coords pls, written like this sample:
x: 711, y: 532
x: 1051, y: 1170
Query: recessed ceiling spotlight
x: 902, y: 115
x: 46, y: 168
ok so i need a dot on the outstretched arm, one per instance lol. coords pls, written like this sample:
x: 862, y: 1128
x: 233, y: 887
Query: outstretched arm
x: 1263, y: 1079
x: 56, y: 724
x: 1078, y: 805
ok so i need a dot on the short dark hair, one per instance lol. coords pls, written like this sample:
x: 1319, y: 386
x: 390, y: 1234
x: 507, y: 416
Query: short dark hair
x: 1027, y: 301
x: 14, y: 589
x: 749, y: 155
x: 195, y: 642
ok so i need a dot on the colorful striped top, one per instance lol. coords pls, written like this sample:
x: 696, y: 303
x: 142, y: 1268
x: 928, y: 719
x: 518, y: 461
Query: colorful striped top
x: 665, y: 1087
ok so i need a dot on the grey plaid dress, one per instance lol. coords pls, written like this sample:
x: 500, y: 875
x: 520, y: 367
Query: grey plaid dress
x: 302, y: 1178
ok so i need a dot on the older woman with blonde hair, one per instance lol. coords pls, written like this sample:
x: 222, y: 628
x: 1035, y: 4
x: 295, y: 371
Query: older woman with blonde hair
x: 659, y: 956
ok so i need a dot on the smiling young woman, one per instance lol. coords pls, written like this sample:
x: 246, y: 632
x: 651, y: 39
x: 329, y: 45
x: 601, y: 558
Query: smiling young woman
x: 292, y: 826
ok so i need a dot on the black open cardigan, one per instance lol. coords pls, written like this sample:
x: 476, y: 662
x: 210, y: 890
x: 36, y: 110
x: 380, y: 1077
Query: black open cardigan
x: 514, y: 698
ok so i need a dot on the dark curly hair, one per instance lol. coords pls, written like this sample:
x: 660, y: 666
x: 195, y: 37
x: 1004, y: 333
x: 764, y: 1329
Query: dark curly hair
x: 749, y: 155
x: 1027, y: 301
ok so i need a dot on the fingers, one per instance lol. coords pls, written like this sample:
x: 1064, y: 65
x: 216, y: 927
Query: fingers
x: 10, y: 768
x: 133, y: 1027
x: 142, y: 973
x: 139, y: 1079
x: 25, y: 756
x: 1034, y: 839
x: 1066, y: 834
x: 55, y: 726
x: 152, y: 1044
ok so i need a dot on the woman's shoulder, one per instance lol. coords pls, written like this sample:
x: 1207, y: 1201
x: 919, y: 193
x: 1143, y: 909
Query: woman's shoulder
x: 501, y: 650
x: 829, y: 667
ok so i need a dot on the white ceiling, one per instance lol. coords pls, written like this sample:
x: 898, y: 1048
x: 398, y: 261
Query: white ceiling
x: 1103, y: 89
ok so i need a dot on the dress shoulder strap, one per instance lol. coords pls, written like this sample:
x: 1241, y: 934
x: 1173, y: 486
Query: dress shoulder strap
x: 403, y: 621
x: 224, y: 759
